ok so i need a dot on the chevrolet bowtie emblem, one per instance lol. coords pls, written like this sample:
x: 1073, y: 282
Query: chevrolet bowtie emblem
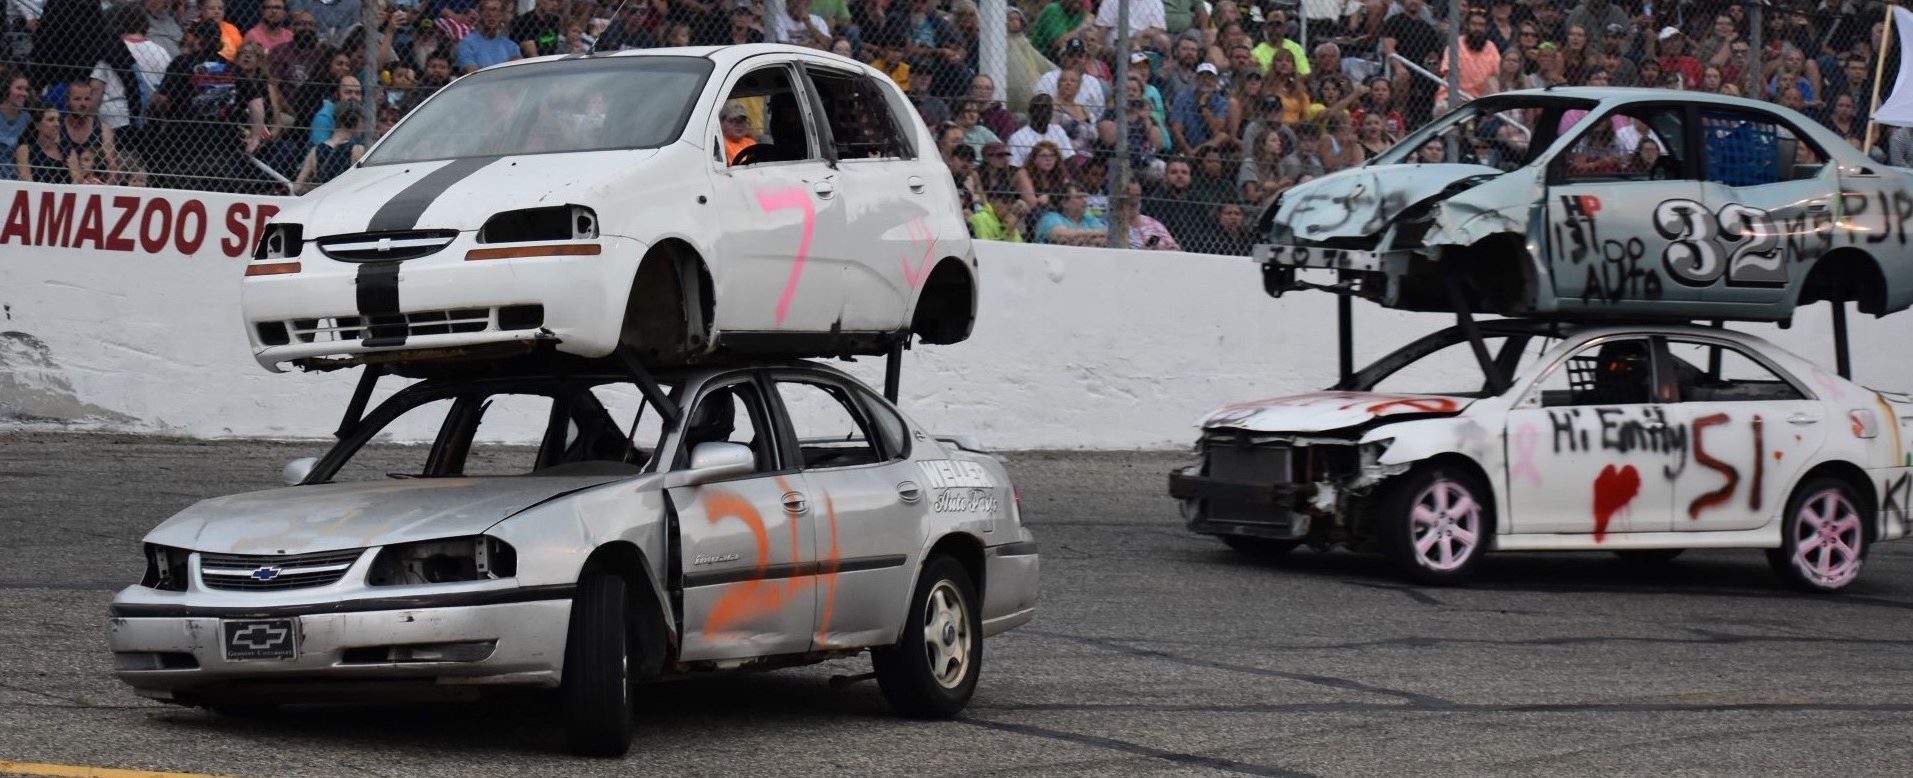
x: 385, y: 244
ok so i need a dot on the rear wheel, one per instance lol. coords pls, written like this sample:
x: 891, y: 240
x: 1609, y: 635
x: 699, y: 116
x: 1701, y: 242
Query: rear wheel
x: 1434, y: 523
x: 1263, y: 548
x: 596, y: 692
x: 1823, y: 540
x: 932, y: 672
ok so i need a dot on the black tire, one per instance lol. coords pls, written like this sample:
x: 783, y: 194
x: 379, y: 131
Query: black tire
x: 1834, y: 520
x: 1260, y: 548
x: 908, y: 673
x: 1451, y: 557
x: 595, y: 695
x: 1649, y: 556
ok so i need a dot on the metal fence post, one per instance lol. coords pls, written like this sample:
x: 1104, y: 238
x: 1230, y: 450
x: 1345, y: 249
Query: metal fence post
x: 993, y: 46
x: 1119, y: 184
x: 1755, y: 28
x: 1454, y: 74
x: 369, y: 87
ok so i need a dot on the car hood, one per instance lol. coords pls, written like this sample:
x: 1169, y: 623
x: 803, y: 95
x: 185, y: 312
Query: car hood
x: 460, y: 194
x: 331, y: 517
x: 1324, y: 411
x: 1360, y: 202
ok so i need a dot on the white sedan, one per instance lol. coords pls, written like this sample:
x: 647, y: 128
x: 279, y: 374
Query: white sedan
x: 1642, y: 440
x: 742, y: 199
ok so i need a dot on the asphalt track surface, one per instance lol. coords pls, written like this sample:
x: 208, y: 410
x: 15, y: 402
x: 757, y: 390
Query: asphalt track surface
x: 1154, y: 653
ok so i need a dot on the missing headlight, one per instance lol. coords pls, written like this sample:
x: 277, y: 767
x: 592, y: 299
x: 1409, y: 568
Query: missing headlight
x: 165, y: 568
x: 557, y: 222
x: 444, y: 561
x: 279, y: 241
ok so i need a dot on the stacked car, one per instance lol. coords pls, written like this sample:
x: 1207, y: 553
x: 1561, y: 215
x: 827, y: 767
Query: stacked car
x: 1620, y: 229
x: 566, y: 249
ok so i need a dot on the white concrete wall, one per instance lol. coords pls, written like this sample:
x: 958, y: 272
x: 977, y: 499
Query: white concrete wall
x: 1075, y: 348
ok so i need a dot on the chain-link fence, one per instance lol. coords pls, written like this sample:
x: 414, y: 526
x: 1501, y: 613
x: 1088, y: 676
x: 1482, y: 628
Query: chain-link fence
x: 1226, y: 105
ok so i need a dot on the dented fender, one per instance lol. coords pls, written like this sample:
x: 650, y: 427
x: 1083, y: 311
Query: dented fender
x: 1506, y: 204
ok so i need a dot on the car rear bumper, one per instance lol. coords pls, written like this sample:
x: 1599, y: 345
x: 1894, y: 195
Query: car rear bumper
x: 349, y: 655
x: 1010, y: 575
x: 442, y: 301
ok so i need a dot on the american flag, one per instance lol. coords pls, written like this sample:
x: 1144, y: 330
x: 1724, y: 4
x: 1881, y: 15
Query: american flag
x: 453, y: 29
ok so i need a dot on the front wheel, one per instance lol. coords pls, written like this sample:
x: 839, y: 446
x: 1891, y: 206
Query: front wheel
x: 596, y: 692
x: 1434, y: 524
x: 932, y: 672
x: 1823, y: 539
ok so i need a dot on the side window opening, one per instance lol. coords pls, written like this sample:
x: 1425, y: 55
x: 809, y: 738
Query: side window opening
x: 1643, y: 144
x: 891, y: 432
x: 1617, y: 372
x: 1711, y: 372
x: 732, y: 413
x: 1748, y: 150
x: 830, y: 431
x: 762, y: 121
x: 862, y: 123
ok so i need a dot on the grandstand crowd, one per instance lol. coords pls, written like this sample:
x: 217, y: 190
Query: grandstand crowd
x: 1226, y: 104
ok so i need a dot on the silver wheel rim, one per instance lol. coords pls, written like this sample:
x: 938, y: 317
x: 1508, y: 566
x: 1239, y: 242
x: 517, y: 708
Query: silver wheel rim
x: 1827, y: 540
x: 946, y: 635
x: 1445, y: 526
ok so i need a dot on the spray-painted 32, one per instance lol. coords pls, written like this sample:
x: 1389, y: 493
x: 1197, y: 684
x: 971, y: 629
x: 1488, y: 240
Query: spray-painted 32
x: 1606, y: 202
x: 1642, y: 440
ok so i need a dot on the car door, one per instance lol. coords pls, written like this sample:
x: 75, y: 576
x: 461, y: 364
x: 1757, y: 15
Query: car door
x: 890, y: 197
x: 1754, y: 428
x: 1769, y: 193
x: 1591, y: 448
x: 743, y: 542
x: 1606, y: 240
x: 779, y: 247
x: 870, y: 508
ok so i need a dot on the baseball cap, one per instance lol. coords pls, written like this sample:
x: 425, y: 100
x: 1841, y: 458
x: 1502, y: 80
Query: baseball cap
x: 992, y: 149
x: 733, y: 110
x: 743, y: 5
x: 1617, y: 29
x: 1139, y: 56
x: 1669, y: 32
x: 1206, y: 67
x: 1074, y: 46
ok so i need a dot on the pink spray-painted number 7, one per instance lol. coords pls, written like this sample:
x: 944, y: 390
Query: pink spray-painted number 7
x: 783, y: 199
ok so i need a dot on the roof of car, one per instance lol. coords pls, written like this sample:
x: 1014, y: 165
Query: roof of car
x: 1630, y: 94
x: 723, y: 56
x: 1593, y: 329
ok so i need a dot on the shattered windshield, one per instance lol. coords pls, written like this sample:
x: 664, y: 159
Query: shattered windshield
x: 552, y: 107
x: 1506, y: 132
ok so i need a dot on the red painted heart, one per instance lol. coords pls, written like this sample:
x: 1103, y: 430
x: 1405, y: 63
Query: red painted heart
x: 1613, y: 490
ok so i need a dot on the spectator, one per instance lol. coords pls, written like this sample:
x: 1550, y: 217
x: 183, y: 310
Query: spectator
x: 70, y: 38
x: 1091, y: 174
x: 1047, y: 177
x: 137, y: 60
x: 1247, y: 92
x: 1215, y: 174
x: 1328, y: 61
x: 489, y: 44
x: 1503, y: 28
x: 1576, y: 58
x: 1715, y: 48
x: 162, y: 25
x: 1593, y: 15
x: 1072, y: 108
x: 629, y: 31
x: 967, y: 19
x: 15, y: 118
x: 537, y: 31
x: 1260, y: 174
x: 1380, y: 101
x: 229, y: 35
x: 1091, y: 94
x: 1199, y: 115
x: 1060, y: 22
x: 933, y: 47
x: 1344, y: 142
x: 743, y: 27
x: 888, y: 46
x: 1620, y: 69
x: 82, y: 128
x: 332, y: 18
x: 1147, y: 22
x: 256, y: 94
x: 993, y: 115
x: 1000, y: 217
x: 1175, y: 202
x: 299, y: 67
x: 1145, y: 139
x: 1479, y: 58
x: 1372, y: 134
x: 932, y: 108
x: 998, y: 178
x: 426, y: 41
x: 199, y: 139
x: 1144, y: 231
x: 1674, y: 60
x: 1069, y: 225
x: 1179, y: 72
x: 341, y: 150
x: 969, y: 113
x: 1231, y: 235
x: 39, y: 157
x: 1408, y: 34
x: 1180, y: 16
x: 1549, y: 23
x: 271, y: 31
x: 738, y: 134
x: 349, y: 91
x: 1286, y: 84
x: 1039, y: 129
x: 1792, y: 73
x: 1275, y: 37
x: 1306, y: 161
x: 1434, y: 152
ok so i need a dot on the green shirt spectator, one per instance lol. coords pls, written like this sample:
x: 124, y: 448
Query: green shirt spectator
x: 1054, y: 22
x: 986, y: 225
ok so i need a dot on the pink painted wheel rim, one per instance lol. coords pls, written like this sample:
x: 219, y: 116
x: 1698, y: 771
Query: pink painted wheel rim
x: 1828, y: 540
x: 1445, y: 526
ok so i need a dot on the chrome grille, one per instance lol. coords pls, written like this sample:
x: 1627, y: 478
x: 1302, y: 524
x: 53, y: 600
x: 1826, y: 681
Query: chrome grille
x: 386, y: 246
x: 246, y: 572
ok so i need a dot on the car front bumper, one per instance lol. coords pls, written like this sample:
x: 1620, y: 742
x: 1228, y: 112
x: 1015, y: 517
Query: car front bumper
x: 447, y: 301
x: 1257, y: 509
x: 345, y: 652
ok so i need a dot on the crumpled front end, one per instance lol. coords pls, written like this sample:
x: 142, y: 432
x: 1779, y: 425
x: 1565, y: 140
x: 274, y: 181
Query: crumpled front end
x: 1280, y: 486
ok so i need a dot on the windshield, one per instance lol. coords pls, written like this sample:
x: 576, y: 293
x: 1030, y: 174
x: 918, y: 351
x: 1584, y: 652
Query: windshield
x: 1499, y: 131
x: 552, y: 107
x: 1444, y: 363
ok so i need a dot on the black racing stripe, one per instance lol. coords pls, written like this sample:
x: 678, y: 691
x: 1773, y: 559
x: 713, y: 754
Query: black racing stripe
x: 378, y: 298
x: 421, y: 602
x: 773, y: 572
x: 404, y: 209
x: 1021, y: 548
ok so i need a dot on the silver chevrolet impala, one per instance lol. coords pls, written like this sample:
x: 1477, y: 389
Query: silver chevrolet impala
x: 687, y: 521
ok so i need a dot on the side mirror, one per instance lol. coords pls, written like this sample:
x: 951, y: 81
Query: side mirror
x: 715, y: 462
x: 297, y: 470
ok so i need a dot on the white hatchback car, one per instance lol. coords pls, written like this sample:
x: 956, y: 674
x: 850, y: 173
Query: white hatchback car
x: 1642, y: 440
x: 593, y: 200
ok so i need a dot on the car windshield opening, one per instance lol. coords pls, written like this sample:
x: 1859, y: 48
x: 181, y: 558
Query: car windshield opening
x: 1445, y: 364
x: 1499, y: 131
x: 552, y: 107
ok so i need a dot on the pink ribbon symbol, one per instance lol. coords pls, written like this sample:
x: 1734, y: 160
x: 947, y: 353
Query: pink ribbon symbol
x: 1525, y: 439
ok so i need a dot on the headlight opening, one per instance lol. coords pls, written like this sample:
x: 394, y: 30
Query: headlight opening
x: 455, y: 560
